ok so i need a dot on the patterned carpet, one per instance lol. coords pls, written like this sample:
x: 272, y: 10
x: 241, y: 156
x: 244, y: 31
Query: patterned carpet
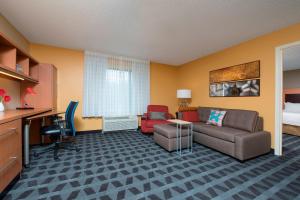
x: 130, y: 166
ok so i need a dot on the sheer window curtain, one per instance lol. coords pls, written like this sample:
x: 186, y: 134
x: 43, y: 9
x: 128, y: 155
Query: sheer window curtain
x: 115, y: 86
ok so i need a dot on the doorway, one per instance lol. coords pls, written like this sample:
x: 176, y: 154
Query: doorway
x: 283, y: 62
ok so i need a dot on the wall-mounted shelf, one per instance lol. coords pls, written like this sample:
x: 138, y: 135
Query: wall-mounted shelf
x: 6, y: 71
x: 11, y: 56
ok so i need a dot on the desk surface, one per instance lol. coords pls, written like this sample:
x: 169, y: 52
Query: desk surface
x: 46, y: 114
x: 10, y: 115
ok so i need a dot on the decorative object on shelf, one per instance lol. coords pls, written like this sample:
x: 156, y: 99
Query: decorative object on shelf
x: 24, y: 104
x: 19, y: 68
x: 236, y: 81
x: 3, y: 99
x: 184, y: 95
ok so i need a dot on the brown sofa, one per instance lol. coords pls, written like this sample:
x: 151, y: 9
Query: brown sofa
x: 241, y: 135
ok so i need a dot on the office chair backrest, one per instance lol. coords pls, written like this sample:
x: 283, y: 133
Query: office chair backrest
x: 69, y: 116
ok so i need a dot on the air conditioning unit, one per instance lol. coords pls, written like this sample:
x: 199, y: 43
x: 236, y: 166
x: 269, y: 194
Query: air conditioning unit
x: 119, y: 123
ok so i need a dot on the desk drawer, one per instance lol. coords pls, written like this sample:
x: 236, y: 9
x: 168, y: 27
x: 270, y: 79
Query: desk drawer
x: 10, y: 151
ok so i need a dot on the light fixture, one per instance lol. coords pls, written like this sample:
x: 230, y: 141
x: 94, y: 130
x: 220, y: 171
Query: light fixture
x: 183, y: 95
x: 24, y: 104
x: 13, y: 76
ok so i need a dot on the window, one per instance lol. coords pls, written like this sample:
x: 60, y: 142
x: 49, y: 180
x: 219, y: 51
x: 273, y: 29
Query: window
x: 118, y: 88
x: 115, y: 86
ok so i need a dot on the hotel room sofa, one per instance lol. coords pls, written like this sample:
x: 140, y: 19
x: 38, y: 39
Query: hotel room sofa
x: 241, y: 135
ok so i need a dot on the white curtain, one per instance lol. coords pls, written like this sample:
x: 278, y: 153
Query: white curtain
x: 115, y: 86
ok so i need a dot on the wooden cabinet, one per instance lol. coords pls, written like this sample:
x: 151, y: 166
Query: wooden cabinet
x: 15, y: 63
x: 45, y: 97
x: 11, y: 151
x: 46, y: 89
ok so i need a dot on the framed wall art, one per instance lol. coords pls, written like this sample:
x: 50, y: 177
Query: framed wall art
x: 236, y: 81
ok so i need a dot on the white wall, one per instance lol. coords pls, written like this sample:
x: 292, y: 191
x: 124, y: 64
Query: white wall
x: 291, y: 79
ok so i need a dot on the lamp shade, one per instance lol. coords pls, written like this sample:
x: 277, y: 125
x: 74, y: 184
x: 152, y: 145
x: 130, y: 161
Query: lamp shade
x: 184, y: 94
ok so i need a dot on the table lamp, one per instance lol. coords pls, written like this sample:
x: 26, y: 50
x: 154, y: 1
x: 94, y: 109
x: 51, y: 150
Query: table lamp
x: 184, y: 95
x: 24, y: 104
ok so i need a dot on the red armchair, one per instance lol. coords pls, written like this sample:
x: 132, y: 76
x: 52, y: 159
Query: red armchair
x: 147, y: 123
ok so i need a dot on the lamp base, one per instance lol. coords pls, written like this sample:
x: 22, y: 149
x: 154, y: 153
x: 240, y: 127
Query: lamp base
x: 24, y: 108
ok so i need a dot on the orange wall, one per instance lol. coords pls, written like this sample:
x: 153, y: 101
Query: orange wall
x: 195, y: 74
x: 163, y: 83
x: 69, y: 65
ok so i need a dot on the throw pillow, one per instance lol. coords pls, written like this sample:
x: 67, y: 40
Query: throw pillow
x: 190, y: 116
x: 158, y: 115
x: 216, y: 117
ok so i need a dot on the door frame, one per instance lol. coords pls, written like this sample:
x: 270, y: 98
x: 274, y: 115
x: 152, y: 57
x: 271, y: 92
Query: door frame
x: 278, y: 95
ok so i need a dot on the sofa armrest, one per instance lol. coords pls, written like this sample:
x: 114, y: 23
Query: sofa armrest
x: 252, y: 144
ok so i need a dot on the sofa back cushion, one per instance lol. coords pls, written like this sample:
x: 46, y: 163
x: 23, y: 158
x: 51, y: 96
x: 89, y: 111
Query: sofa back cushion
x: 241, y: 119
x: 157, y: 108
x: 204, y: 113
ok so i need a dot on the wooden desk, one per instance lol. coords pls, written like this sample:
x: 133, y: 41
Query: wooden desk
x: 10, y: 115
x: 11, y: 143
x: 28, y: 120
x: 46, y: 114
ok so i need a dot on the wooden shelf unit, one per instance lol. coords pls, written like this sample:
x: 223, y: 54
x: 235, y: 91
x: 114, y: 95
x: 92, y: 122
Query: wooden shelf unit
x: 11, y: 56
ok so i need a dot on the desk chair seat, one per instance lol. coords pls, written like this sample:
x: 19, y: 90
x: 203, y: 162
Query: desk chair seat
x: 50, y: 130
x: 54, y: 130
x: 59, y: 130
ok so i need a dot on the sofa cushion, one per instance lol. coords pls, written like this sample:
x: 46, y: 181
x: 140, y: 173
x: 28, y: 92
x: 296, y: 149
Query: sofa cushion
x: 223, y: 133
x: 157, y: 116
x: 203, y: 113
x: 151, y: 123
x: 241, y: 119
x: 169, y: 130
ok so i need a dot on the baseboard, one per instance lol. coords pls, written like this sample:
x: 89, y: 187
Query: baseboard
x: 89, y: 131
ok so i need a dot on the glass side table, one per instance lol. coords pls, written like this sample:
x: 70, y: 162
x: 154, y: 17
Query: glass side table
x: 179, y: 125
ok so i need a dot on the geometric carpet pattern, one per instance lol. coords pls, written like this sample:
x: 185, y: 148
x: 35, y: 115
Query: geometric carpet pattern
x: 124, y: 165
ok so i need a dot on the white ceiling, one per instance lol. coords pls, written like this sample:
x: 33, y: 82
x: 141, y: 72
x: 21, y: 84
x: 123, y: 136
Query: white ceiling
x: 166, y: 31
x: 291, y: 58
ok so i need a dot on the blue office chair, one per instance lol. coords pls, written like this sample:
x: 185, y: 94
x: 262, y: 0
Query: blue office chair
x: 60, y: 129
